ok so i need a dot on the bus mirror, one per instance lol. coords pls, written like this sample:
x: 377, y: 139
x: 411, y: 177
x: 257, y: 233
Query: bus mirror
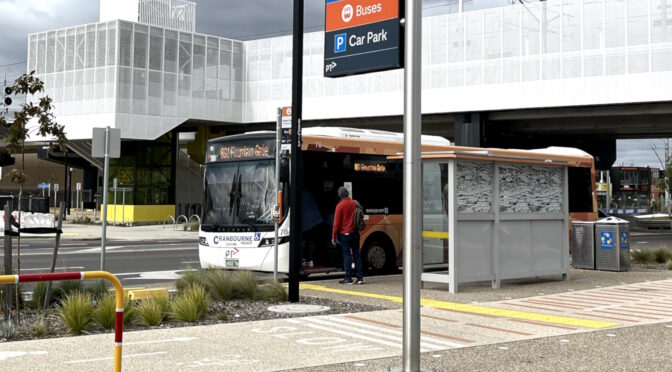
x: 284, y: 169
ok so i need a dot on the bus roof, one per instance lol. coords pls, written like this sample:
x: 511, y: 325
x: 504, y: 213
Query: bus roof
x: 551, y: 155
x: 347, y: 140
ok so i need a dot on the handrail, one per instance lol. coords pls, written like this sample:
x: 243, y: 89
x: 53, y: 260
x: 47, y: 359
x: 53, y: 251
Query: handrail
x: 171, y: 218
x: 177, y: 221
x: 191, y: 218
x: 83, y: 275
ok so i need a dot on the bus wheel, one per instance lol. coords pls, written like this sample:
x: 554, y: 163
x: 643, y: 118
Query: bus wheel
x: 376, y: 257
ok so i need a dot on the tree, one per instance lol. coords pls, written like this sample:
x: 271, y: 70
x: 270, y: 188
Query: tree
x: 40, y: 111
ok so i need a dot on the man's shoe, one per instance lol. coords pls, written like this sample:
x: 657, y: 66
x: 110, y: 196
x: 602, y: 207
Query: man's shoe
x: 346, y: 281
x: 359, y: 281
x: 309, y: 263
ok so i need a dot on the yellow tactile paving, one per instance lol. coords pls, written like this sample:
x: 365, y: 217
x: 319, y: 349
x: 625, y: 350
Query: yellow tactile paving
x: 475, y: 309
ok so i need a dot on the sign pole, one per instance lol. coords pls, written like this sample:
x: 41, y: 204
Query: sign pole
x: 412, y: 186
x: 114, y: 185
x: 296, y: 179
x: 278, y: 135
x: 106, y: 174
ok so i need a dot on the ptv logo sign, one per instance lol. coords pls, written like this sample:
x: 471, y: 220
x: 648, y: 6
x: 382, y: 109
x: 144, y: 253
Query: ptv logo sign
x: 347, y: 13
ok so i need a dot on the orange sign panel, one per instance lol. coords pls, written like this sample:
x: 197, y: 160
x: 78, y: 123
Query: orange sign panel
x: 342, y: 14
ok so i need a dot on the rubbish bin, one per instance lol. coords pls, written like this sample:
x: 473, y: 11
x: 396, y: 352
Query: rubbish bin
x: 583, y: 244
x: 612, y: 244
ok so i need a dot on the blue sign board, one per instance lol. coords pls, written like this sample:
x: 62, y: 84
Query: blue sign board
x: 606, y: 239
x: 43, y: 185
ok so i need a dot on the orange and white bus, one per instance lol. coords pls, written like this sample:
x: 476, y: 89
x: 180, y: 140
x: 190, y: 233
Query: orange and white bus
x: 237, y: 231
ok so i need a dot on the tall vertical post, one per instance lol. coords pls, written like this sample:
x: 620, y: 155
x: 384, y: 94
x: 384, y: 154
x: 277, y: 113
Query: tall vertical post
x: 609, y: 192
x: 8, y: 260
x: 66, y: 196
x: 278, y: 145
x: 296, y: 179
x: 412, y: 186
x: 106, y: 175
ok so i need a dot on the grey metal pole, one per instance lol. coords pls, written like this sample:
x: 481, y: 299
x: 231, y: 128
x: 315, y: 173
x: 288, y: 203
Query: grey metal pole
x: 8, y: 261
x: 278, y: 135
x: 412, y: 186
x: 106, y: 175
x: 123, y: 206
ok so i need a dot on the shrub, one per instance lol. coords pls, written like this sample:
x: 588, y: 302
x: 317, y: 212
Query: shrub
x: 130, y: 312
x: 105, y: 311
x: 8, y: 329
x: 218, y: 283
x: 642, y: 257
x: 273, y: 292
x: 245, y: 285
x: 66, y: 288
x: 669, y: 265
x: 662, y: 255
x: 98, y: 290
x: 40, y: 328
x: 39, y: 294
x: 188, y: 278
x: 223, y: 317
x: 191, y: 305
x: 77, y: 312
x: 151, y: 312
x: 82, y: 221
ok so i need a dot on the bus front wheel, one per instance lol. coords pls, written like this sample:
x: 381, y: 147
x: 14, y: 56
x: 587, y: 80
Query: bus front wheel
x: 377, y: 257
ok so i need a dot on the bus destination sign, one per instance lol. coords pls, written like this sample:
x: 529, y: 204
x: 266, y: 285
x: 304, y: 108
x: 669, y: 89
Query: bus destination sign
x: 362, y: 36
x: 247, y: 150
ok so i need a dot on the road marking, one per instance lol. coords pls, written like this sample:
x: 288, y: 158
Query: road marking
x: 58, y: 268
x: 641, y: 242
x: 500, y: 329
x: 474, y: 309
x: 189, y: 262
x: 379, y: 332
x: 176, y: 339
x: 421, y: 331
x: 4, y: 355
x: 125, y: 356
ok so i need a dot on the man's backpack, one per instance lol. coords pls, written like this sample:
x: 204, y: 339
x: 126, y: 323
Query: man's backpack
x: 358, y: 220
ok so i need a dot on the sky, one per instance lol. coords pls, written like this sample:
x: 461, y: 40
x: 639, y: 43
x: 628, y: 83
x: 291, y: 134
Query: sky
x: 237, y: 19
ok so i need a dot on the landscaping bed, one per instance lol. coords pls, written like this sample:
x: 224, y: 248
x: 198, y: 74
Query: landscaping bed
x: 203, y: 298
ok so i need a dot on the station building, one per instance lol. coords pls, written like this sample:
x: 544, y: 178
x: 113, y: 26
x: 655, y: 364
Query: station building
x: 557, y: 72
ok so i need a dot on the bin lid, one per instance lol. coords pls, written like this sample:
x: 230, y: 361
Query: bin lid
x: 612, y: 221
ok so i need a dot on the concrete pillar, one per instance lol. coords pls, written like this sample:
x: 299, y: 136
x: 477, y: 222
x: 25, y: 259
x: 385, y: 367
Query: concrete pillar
x: 468, y: 127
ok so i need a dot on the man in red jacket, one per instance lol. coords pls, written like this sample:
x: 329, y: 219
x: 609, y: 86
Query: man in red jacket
x: 347, y: 236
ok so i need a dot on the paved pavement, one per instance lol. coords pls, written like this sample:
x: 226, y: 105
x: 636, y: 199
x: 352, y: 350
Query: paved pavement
x: 364, y: 339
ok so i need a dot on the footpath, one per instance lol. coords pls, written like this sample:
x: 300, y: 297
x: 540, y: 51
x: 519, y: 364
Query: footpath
x: 596, y: 321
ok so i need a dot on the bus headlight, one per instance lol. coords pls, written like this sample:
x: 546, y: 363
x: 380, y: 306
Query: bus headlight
x: 203, y: 241
x: 267, y: 242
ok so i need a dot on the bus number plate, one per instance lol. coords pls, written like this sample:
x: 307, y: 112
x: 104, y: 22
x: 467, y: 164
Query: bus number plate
x: 232, y: 263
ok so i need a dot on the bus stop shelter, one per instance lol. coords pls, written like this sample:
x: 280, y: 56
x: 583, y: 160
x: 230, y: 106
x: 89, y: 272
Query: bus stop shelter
x: 493, y: 214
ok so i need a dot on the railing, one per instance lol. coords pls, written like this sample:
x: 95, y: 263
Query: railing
x: 171, y: 218
x: 191, y: 220
x: 84, y: 275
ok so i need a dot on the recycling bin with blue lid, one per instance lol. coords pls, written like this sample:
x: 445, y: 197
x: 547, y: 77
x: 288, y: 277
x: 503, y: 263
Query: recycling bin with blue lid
x: 612, y: 244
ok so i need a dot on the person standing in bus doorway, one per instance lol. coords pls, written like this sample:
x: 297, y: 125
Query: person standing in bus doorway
x: 347, y: 236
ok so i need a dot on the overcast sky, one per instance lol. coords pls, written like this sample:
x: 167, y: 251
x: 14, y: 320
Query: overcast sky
x: 239, y: 19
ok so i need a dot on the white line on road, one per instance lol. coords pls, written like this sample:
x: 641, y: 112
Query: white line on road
x: 641, y: 242
x: 189, y: 262
x: 125, y: 356
x: 69, y: 268
x: 176, y: 339
x: 354, y: 335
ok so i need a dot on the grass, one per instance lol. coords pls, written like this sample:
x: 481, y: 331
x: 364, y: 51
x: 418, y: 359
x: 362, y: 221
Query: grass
x: 245, y: 285
x: 662, y: 254
x: 40, y: 328
x: 152, y: 312
x: 107, y: 308
x: 188, y: 278
x: 273, y: 292
x: 66, y: 288
x: 77, y: 312
x: 191, y: 305
x: 642, y: 257
x: 8, y: 329
x: 98, y: 290
x: 218, y: 283
x: 39, y: 294
x: 105, y: 311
